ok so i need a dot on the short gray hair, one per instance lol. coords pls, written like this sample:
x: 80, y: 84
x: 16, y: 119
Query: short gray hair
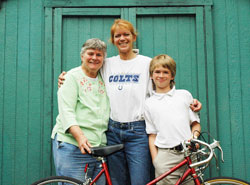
x: 94, y: 43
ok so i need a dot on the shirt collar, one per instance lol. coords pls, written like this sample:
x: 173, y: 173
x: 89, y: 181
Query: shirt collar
x: 162, y: 95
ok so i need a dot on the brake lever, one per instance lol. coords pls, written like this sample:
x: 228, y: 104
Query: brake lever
x: 216, y: 160
x: 221, y: 151
x: 217, y: 144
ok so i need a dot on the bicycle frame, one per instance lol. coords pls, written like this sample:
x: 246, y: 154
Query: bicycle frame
x: 186, y: 161
x: 189, y: 171
x: 105, y: 171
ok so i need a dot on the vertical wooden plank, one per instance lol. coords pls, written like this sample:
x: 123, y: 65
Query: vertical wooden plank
x: 9, y: 95
x: 97, y: 27
x: 211, y: 79
x: 235, y: 90
x: 85, y: 32
x: 48, y: 97
x: 111, y: 49
x: 132, y: 19
x: 130, y: 15
x: 57, y: 55
x: 35, y: 91
x: 222, y: 87
x: 145, y: 36
x: 194, y: 62
x: 70, y: 40
x: 184, y: 62
x: 172, y: 42
x: 2, y: 67
x: 244, y: 32
x: 23, y: 62
x: 125, y: 13
x: 84, y: 29
x: 159, y: 35
x: 200, y: 43
x: 202, y: 81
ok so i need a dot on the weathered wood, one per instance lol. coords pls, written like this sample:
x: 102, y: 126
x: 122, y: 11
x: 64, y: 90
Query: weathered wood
x: 235, y: 95
x: 201, y: 70
x: 35, y: 90
x: 212, y: 114
x: 114, y: 3
x: 57, y: 48
x: 166, y: 10
x: 2, y: 59
x: 9, y: 94
x: 222, y: 88
x: 22, y: 95
x: 201, y: 66
x: 91, y: 11
x: 47, y: 161
x: 243, y: 15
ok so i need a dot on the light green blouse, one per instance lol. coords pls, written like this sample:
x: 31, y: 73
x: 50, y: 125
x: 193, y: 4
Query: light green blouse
x: 82, y: 101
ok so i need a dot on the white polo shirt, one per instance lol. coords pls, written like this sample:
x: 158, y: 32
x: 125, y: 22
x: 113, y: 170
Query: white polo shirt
x: 169, y: 116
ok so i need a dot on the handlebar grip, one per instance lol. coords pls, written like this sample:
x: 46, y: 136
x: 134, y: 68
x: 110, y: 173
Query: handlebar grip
x: 193, y: 146
x: 206, y: 160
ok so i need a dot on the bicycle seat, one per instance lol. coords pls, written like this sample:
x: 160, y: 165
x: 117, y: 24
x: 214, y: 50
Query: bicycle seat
x: 104, y: 151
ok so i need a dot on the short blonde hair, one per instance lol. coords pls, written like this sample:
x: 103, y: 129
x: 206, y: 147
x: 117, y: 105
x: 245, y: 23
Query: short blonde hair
x: 166, y: 62
x: 121, y: 23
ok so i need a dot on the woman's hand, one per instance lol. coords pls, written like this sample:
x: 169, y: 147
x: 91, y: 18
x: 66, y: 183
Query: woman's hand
x: 84, y: 145
x: 196, y: 106
x: 81, y: 139
x: 61, y: 79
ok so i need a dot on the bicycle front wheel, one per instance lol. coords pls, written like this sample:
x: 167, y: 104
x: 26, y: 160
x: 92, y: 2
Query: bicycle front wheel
x: 58, y: 179
x: 225, y: 180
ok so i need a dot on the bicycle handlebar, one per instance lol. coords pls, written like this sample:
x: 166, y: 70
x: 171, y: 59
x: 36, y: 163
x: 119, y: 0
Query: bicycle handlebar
x: 211, y: 147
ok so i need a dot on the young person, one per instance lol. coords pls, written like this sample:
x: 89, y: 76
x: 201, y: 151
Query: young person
x: 127, y: 81
x: 83, y: 115
x: 169, y: 119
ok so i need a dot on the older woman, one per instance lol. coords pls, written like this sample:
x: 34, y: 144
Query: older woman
x: 83, y: 115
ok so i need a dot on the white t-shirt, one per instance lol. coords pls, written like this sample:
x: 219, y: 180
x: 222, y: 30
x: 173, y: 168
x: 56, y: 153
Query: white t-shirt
x: 169, y: 117
x: 127, y: 84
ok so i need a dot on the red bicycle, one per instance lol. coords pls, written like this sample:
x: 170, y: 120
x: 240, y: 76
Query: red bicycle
x: 193, y: 172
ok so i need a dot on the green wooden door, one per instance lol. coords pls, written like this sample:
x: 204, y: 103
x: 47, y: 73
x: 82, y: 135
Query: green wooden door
x: 182, y: 32
x: 72, y: 28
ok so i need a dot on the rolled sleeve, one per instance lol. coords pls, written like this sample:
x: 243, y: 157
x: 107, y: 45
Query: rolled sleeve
x: 192, y: 115
x: 67, y: 99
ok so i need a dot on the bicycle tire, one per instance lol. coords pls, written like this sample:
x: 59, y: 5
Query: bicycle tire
x: 54, y: 180
x: 225, y: 180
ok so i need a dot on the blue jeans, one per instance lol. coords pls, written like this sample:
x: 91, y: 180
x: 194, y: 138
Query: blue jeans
x: 70, y: 162
x: 131, y: 165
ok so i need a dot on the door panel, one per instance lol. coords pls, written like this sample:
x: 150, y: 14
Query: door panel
x: 76, y: 30
x: 72, y: 27
x: 172, y: 35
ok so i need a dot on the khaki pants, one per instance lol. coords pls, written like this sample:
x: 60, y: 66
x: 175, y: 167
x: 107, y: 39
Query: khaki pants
x: 164, y: 161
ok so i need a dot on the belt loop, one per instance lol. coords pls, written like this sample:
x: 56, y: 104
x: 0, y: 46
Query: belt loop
x: 130, y: 125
